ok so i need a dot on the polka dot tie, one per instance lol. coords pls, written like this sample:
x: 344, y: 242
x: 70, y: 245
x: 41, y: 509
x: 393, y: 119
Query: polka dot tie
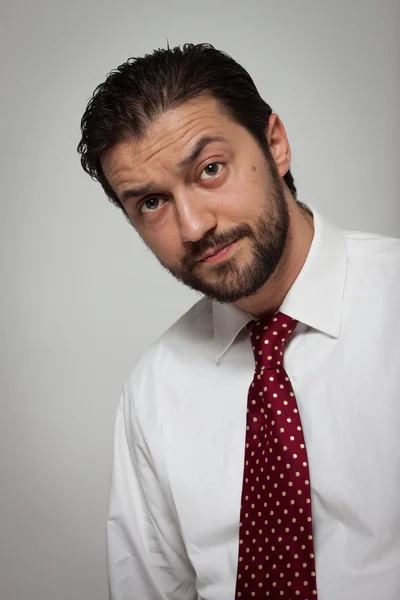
x: 276, y: 551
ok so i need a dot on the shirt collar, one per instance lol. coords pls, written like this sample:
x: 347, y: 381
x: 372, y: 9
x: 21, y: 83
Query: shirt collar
x: 314, y: 299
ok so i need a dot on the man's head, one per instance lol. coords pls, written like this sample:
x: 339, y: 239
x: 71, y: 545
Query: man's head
x: 184, y: 144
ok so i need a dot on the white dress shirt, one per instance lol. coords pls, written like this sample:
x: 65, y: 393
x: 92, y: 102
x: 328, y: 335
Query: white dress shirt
x: 173, y: 526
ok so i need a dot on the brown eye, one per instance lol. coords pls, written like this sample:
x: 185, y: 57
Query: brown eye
x: 211, y: 170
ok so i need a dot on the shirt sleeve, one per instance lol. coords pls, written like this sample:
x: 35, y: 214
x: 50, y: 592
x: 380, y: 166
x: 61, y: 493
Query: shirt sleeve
x: 146, y: 557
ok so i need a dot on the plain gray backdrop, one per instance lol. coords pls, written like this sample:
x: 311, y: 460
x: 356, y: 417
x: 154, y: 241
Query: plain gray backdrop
x: 81, y: 297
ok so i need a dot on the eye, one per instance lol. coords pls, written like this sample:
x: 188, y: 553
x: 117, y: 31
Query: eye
x: 151, y: 205
x: 211, y: 170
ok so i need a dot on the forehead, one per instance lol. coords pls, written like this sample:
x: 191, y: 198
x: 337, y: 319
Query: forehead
x: 167, y: 139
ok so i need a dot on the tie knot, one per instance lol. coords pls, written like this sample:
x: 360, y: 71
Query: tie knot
x: 268, y: 338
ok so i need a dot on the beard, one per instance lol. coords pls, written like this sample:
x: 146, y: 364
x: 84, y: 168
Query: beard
x: 228, y: 281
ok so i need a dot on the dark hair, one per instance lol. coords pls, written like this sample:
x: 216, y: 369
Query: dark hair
x: 139, y: 90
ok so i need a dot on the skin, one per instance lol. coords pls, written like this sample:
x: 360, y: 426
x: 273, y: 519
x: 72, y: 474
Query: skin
x: 185, y: 210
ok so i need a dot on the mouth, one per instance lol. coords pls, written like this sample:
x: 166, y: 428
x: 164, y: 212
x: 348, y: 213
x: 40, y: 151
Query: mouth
x: 213, y: 256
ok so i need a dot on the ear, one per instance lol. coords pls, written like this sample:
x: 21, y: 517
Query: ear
x: 278, y: 144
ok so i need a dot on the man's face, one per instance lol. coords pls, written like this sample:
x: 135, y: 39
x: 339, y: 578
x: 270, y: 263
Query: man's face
x: 199, y: 191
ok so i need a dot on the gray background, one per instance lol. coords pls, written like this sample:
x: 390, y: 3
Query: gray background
x: 81, y: 297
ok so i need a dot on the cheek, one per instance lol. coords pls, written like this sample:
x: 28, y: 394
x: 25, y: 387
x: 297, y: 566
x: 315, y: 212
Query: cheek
x: 166, y: 247
x: 242, y: 201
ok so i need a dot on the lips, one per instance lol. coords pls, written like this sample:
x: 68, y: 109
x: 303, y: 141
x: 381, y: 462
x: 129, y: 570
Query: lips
x: 214, y: 252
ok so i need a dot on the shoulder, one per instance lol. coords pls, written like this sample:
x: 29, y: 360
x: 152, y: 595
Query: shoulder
x: 372, y: 292
x: 163, y: 369
x: 374, y: 262
x: 184, y: 336
x: 372, y: 247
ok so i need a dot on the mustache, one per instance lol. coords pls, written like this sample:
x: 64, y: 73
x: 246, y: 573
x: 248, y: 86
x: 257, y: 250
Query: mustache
x: 211, y: 240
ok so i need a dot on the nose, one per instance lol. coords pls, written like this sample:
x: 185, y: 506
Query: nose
x: 195, y: 216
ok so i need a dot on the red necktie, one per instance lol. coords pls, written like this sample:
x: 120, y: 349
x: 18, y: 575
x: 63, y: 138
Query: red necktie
x: 276, y: 551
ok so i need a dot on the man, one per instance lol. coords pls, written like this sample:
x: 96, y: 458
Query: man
x: 257, y: 447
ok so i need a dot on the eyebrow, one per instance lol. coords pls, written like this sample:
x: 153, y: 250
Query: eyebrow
x: 149, y: 188
x: 138, y: 192
x: 198, y: 149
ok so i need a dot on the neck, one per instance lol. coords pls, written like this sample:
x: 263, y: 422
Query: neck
x: 300, y: 235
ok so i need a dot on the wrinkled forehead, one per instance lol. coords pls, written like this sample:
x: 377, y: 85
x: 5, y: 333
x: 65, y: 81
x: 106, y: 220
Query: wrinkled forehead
x: 167, y: 139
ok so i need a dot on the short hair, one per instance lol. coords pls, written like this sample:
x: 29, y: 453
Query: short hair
x: 141, y: 89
